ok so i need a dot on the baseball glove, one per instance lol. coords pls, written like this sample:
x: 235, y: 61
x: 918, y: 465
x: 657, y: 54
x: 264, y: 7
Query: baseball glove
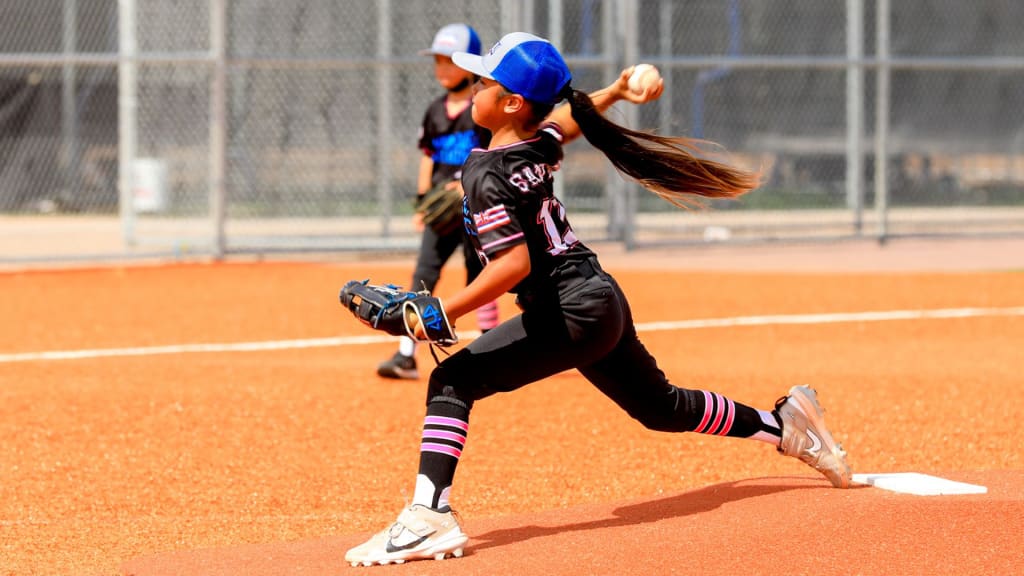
x: 441, y: 207
x: 391, y: 309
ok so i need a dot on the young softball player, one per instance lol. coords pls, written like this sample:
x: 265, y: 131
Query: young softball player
x: 446, y: 137
x: 574, y: 315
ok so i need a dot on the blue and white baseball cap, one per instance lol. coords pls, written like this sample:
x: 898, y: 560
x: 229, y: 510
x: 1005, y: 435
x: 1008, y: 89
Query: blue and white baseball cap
x: 454, y: 38
x: 523, y: 63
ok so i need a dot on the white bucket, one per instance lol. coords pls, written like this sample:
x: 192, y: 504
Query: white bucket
x: 149, y: 193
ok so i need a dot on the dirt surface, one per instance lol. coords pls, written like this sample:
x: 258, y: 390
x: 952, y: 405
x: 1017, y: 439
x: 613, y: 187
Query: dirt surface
x: 844, y: 256
x: 239, y: 462
x: 718, y: 529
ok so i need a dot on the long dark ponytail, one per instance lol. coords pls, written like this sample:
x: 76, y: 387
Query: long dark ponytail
x: 675, y: 168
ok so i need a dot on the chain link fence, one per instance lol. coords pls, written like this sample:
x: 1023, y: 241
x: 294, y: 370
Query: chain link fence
x: 221, y: 126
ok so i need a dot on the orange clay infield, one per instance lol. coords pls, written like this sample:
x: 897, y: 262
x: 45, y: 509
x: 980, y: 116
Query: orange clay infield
x: 275, y: 462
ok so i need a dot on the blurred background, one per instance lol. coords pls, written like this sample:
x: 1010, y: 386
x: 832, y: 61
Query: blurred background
x: 174, y: 128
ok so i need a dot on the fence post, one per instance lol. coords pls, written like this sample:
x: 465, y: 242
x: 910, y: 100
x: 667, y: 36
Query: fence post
x: 218, y: 125
x: 556, y: 34
x: 69, y: 109
x: 665, y: 35
x: 882, y: 120
x: 622, y: 195
x: 127, y: 107
x: 384, y: 130
x: 511, y: 17
x: 855, y: 112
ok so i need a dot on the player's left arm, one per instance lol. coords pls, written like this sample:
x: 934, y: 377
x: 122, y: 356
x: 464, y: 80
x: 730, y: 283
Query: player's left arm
x: 603, y: 100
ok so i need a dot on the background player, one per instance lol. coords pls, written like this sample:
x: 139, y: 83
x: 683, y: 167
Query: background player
x: 446, y: 137
x: 574, y: 314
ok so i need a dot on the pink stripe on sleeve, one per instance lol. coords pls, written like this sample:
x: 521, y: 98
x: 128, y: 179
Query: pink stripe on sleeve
x: 501, y: 241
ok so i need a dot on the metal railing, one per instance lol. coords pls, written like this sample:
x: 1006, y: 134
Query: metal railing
x: 215, y: 127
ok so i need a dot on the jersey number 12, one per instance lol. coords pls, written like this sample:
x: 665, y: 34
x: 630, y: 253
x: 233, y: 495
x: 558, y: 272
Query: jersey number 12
x: 556, y: 227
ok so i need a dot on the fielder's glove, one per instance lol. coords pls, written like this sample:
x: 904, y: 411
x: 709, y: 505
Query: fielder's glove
x: 390, y: 308
x: 441, y: 207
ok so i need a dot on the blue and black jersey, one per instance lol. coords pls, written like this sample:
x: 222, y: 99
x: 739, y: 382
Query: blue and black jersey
x: 449, y: 140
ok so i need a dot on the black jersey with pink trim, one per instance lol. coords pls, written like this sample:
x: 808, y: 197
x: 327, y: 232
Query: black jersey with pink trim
x: 448, y: 140
x: 510, y: 201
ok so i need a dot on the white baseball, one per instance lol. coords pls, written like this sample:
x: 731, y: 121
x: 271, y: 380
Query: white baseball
x: 643, y: 77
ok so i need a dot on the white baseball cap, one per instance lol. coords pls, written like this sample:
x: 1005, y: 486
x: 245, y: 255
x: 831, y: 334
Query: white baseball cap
x: 454, y: 38
x: 523, y: 63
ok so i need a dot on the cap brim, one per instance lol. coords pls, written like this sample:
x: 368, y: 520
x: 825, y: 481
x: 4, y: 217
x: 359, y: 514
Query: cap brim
x: 471, y: 63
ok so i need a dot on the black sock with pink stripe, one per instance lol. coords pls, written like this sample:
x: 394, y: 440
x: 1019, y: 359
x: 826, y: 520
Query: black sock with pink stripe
x: 444, y: 436
x: 721, y: 416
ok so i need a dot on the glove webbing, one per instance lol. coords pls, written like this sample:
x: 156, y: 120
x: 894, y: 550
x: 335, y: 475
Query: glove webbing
x: 392, y: 301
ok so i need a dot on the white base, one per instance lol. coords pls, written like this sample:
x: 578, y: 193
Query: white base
x: 916, y: 483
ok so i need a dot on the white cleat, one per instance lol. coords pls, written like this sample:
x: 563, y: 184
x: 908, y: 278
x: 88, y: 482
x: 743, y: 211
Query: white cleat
x: 805, y: 436
x: 418, y: 533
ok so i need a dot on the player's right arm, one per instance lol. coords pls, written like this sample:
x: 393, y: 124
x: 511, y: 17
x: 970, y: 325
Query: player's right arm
x: 603, y: 99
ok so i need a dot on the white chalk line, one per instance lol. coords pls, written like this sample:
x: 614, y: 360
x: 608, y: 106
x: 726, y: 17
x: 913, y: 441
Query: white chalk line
x: 697, y: 324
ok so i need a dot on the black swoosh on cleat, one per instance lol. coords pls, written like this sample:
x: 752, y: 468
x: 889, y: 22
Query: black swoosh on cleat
x: 391, y: 548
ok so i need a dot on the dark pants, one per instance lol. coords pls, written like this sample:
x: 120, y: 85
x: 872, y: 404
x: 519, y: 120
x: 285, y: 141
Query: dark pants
x: 435, y: 251
x: 589, y: 327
